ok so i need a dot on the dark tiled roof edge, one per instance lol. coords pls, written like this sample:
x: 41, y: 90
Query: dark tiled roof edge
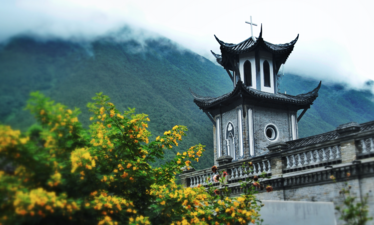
x: 218, y: 57
x: 302, y: 99
x: 319, y: 138
x: 250, y: 43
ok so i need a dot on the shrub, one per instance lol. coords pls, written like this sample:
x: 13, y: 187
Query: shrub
x: 60, y: 173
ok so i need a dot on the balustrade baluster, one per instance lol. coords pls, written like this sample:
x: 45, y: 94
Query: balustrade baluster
x: 331, y: 155
x: 371, y: 145
x: 317, y: 156
x: 308, y: 158
x: 324, y: 154
x: 259, y: 168
x: 241, y: 172
x: 364, y: 150
x: 288, y: 163
x: 269, y: 167
x: 263, y: 166
x: 305, y: 159
x: 299, y: 160
x: 311, y: 157
x: 338, y: 152
x: 293, y: 161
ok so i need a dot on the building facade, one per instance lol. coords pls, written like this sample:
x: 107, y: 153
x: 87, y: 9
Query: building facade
x: 256, y: 123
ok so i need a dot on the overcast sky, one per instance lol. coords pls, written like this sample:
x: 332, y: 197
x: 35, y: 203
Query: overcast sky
x: 336, y: 37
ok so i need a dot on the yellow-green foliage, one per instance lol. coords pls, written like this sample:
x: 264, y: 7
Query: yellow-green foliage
x: 67, y: 175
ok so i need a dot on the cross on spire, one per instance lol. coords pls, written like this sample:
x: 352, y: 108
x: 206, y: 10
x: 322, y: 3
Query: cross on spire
x: 250, y: 23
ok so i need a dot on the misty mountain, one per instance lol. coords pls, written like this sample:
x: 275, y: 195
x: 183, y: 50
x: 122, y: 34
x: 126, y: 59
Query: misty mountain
x: 153, y: 76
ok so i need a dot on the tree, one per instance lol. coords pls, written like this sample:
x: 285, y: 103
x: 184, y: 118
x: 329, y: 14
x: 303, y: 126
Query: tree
x: 352, y: 211
x: 62, y: 173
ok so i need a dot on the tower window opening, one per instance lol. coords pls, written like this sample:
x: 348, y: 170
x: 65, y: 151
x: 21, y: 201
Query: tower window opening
x: 230, y: 140
x: 266, y: 74
x: 271, y: 132
x: 248, y: 73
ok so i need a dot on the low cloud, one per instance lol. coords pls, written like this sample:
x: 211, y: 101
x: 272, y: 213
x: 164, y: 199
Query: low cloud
x: 334, y: 45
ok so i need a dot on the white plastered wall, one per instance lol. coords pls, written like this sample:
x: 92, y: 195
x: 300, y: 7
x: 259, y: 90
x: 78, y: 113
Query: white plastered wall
x: 266, y: 56
x: 251, y: 58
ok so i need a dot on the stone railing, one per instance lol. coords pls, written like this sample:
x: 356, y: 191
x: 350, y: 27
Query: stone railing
x: 239, y: 172
x: 312, y: 158
x: 298, y: 162
x: 365, y: 147
x: 236, y: 172
x: 201, y: 178
x: 319, y: 175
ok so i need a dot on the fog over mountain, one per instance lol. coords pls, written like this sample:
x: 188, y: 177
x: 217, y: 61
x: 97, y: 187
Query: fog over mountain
x: 152, y: 74
x: 334, y: 45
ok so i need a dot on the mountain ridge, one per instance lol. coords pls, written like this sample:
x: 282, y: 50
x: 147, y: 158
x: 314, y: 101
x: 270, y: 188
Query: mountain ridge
x: 154, y: 77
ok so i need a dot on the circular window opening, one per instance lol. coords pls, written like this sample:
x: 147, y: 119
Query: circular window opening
x: 271, y: 132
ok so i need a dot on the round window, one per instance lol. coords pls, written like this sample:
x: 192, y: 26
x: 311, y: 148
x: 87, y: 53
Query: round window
x: 271, y: 132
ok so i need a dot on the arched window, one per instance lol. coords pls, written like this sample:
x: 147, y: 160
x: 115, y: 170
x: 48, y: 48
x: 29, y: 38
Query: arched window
x: 248, y: 73
x: 230, y: 140
x: 266, y: 74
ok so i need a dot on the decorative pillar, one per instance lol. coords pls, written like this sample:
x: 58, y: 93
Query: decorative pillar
x: 293, y: 125
x: 348, y: 151
x: 348, y: 146
x: 250, y: 133
x: 218, y: 137
x: 241, y: 153
x: 276, y: 157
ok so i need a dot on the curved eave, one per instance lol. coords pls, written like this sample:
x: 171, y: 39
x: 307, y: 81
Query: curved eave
x: 250, y: 44
x: 302, y: 100
x: 218, y: 57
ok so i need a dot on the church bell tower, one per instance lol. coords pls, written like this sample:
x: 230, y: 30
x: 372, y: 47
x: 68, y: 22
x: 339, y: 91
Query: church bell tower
x: 253, y: 115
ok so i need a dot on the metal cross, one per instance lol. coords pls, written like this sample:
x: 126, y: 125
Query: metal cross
x: 250, y: 23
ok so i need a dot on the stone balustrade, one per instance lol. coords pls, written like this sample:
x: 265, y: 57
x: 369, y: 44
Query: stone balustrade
x: 298, y: 162
x: 365, y: 147
x: 239, y: 172
x: 202, y: 178
x: 312, y: 158
x: 236, y: 172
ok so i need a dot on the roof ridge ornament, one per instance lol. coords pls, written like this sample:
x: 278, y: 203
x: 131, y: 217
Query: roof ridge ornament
x: 252, y: 24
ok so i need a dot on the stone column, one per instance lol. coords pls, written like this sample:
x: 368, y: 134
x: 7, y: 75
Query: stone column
x: 276, y: 166
x: 347, y: 133
x: 215, y: 144
x: 348, y: 151
x: 276, y: 157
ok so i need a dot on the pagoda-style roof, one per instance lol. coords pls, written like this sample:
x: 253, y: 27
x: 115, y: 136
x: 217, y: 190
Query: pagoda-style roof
x: 230, y: 51
x: 300, y: 101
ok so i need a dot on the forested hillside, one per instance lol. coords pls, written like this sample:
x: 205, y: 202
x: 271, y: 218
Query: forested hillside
x: 154, y: 77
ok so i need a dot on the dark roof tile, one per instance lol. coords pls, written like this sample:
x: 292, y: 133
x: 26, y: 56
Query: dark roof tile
x: 332, y: 135
x: 302, y: 99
